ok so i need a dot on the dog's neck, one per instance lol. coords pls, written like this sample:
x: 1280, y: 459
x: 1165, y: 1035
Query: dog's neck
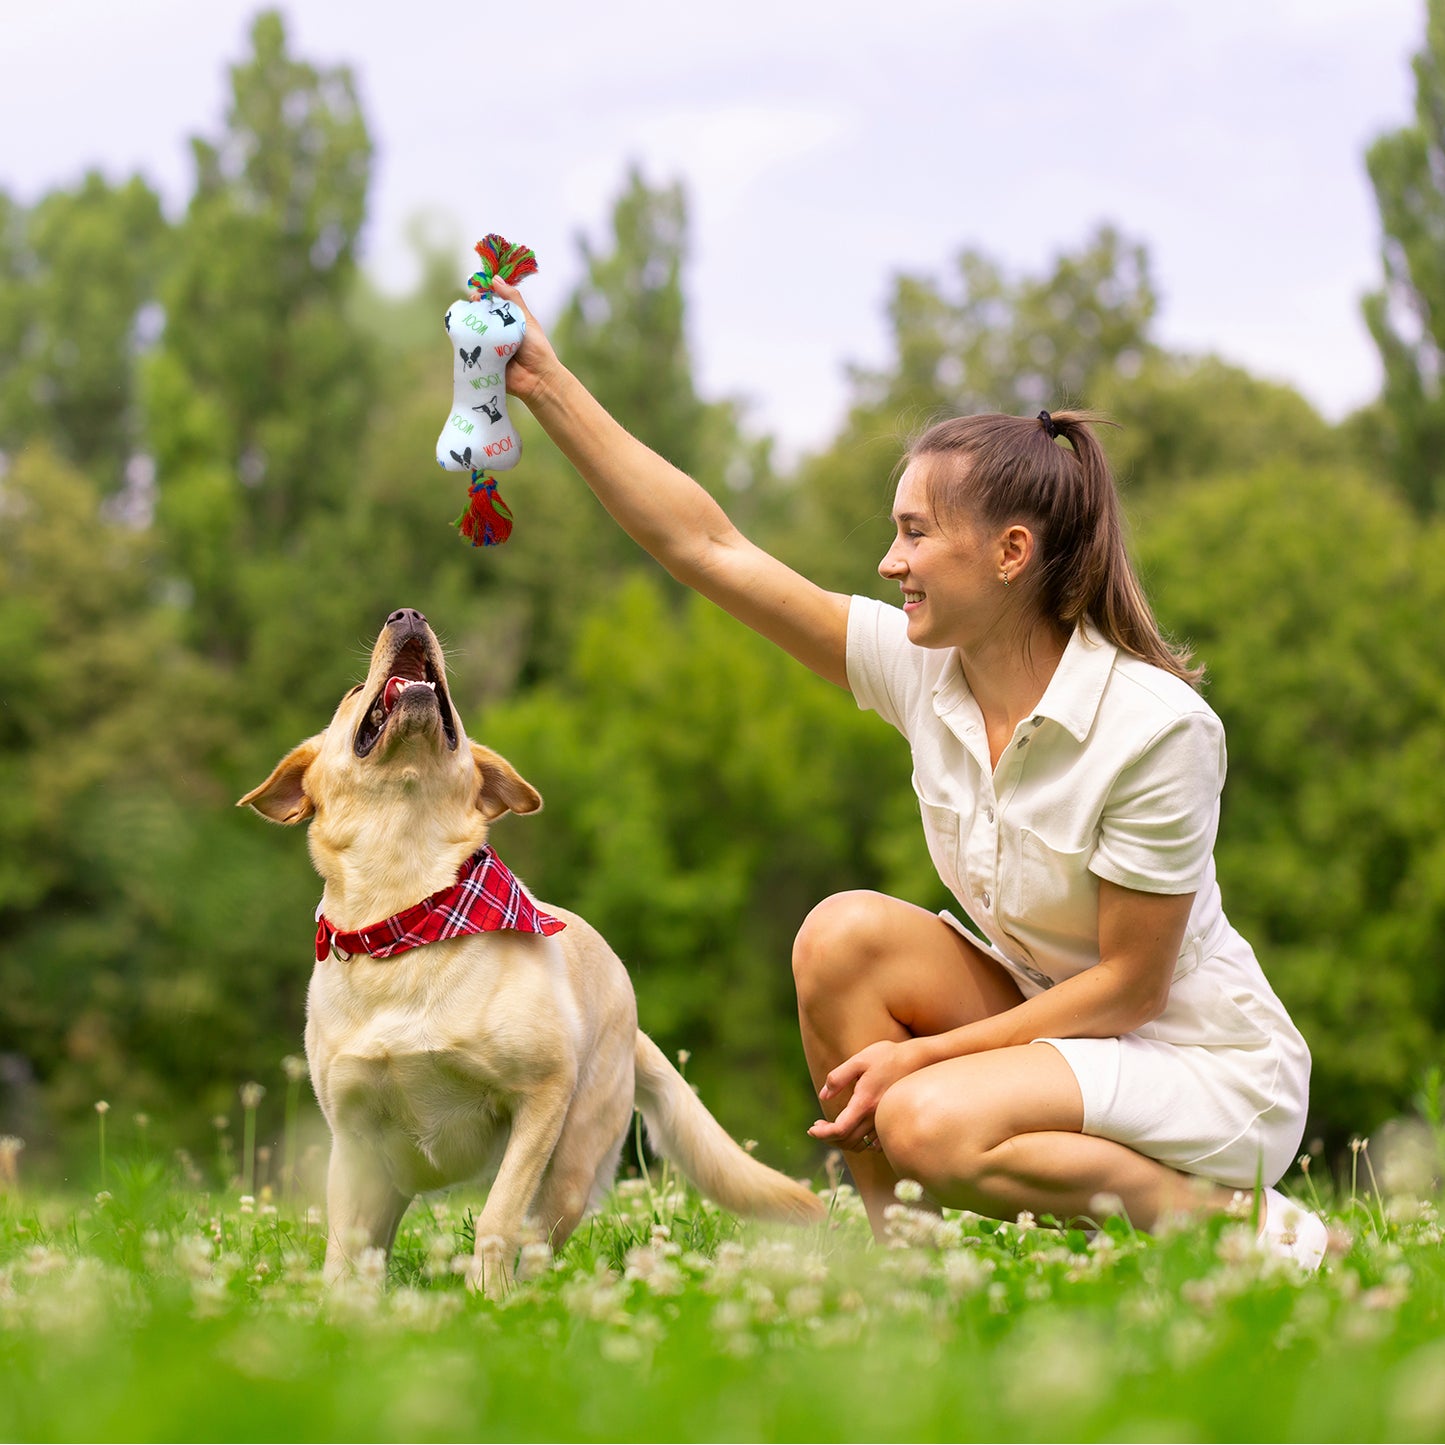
x: 391, y: 859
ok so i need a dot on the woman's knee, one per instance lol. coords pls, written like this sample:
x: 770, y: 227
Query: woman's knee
x: 926, y: 1135
x: 837, y: 941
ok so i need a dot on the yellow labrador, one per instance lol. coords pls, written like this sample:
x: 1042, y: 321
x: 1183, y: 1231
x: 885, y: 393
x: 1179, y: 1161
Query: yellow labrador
x: 505, y: 1053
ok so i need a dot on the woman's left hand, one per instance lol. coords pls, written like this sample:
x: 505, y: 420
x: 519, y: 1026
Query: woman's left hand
x: 870, y: 1073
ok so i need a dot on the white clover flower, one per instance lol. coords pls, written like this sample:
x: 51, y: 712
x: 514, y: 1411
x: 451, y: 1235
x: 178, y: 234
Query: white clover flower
x: 251, y: 1094
x: 804, y: 1302
x: 294, y: 1067
x: 908, y: 1191
x: 101, y: 1107
x: 1026, y: 1219
x: 1241, y: 1205
x: 535, y: 1260
x: 1107, y: 1205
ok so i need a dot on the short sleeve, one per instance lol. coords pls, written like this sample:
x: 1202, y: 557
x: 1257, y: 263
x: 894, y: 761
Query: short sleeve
x: 884, y: 671
x: 1159, y: 822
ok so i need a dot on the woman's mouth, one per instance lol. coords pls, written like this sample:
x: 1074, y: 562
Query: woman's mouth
x: 911, y: 599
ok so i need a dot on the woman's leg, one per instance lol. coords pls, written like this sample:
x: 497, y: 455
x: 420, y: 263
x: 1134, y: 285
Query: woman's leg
x: 869, y: 967
x: 999, y: 1133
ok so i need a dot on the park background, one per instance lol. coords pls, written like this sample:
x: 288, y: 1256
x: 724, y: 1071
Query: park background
x: 217, y: 418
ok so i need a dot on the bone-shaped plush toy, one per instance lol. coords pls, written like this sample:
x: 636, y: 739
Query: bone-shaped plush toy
x: 484, y: 332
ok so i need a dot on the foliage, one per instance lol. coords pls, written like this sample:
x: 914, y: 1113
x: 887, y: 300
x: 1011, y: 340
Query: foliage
x: 999, y: 344
x: 703, y: 792
x: 215, y: 486
x: 1407, y: 316
x: 79, y: 275
x: 1314, y: 600
x: 158, y: 1311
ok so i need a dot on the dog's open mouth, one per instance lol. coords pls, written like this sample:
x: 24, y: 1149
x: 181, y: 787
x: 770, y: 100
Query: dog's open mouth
x: 413, y: 681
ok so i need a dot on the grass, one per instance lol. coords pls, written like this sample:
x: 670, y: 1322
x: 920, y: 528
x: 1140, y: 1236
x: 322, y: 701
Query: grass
x: 159, y: 1311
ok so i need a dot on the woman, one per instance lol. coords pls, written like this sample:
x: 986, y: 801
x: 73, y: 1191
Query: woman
x: 1111, y: 1035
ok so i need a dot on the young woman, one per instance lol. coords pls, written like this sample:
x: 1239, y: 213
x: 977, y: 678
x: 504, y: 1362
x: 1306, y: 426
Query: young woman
x: 1110, y: 1034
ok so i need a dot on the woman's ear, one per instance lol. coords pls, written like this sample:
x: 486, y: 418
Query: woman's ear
x: 500, y: 787
x: 1016, y: 550
x: 282, y: 797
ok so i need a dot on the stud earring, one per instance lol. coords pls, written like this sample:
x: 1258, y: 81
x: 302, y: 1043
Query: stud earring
x: 1004, y: 575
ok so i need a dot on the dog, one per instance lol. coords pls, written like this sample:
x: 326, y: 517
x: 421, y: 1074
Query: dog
x: 502, y: 1053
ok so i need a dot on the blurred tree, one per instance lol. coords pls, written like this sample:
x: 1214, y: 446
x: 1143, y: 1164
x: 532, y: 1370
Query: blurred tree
x: 1312, y: 596
x: 78, y: 279
x: 623, y: 332
x: 999, y: 345
x: 257, y: 396
x: 1407, y: 316
x: 703, y: 792
x: 1180, y: 418
x: 100, y: 703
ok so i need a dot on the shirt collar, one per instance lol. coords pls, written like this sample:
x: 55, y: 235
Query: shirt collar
x: 1074, y: 692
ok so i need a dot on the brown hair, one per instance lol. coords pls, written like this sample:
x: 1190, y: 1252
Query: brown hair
x: 1011, y: 469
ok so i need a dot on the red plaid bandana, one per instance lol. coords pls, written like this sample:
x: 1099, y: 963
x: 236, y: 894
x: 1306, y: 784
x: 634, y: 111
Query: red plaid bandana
x: 484, y: 899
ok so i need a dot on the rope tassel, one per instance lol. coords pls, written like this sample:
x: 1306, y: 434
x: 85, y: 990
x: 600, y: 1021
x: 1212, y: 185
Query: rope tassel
x: 486, y: 521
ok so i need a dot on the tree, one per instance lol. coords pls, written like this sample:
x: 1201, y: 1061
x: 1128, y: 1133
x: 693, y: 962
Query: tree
x: 1313, y: 598
x: 1407, y: 316
x: 257, y: 396
x: 703, y: 791
x: 997, y: 344
x: 78, y: 279
x: 1182, y: 417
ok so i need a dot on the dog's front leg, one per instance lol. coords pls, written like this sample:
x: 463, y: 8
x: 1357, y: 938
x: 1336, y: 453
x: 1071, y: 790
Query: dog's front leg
x: 363, y: 1206
x: 536, y: 1126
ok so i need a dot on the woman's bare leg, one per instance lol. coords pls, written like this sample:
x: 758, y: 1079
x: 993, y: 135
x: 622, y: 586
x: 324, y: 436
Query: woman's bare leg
x: 999, y: 1132
x: 870, y: 967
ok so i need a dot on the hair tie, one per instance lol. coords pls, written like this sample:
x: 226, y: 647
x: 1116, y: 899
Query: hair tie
x: 1050, y: 425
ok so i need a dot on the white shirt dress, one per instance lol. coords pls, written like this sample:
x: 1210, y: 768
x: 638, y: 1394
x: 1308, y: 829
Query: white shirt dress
x: 1117, y: 775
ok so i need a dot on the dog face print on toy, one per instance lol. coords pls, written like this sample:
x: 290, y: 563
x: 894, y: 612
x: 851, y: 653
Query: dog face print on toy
x: 479, y: 436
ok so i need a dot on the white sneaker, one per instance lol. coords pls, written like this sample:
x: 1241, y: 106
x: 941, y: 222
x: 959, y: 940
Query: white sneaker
x: 1292, y: 1232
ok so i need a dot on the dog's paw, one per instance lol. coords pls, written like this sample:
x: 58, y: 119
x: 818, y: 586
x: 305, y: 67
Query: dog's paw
x: 488, y: 1271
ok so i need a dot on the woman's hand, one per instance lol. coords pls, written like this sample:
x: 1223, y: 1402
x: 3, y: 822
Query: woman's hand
x: 533, y: 368
x: 870, y: 1073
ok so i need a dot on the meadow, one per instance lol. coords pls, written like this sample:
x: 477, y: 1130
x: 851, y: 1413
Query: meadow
x: 164, y: 1307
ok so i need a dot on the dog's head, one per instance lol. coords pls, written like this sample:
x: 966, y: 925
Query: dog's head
x: 394, y: 759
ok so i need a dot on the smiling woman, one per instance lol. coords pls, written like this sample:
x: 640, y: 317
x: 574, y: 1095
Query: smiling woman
x: 1101, y: 1030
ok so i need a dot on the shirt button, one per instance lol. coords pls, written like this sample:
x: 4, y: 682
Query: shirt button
x: 1038, y: 721
x: 1023, y: 742
x: 989, y: 813
x: 987, y: 899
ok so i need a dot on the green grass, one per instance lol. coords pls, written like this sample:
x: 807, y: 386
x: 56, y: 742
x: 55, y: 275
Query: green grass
x: 159, y: 1312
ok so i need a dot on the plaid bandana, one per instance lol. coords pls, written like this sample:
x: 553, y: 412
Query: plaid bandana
x: 484, y: 899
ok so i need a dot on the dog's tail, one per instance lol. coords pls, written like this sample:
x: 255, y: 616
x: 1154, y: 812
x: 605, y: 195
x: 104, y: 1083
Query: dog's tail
x: 683, y: 1130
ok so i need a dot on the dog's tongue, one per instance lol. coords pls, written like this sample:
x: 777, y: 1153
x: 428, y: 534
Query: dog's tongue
x: 394, y: 689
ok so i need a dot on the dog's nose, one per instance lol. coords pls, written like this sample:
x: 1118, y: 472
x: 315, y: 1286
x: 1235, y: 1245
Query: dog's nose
x: 408, y: 617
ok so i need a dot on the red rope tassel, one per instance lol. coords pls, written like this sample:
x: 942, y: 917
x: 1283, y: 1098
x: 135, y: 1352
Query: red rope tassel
x: 487, y: 519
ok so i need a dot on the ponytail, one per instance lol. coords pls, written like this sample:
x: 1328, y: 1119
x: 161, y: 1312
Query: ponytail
x: 1012, y: 469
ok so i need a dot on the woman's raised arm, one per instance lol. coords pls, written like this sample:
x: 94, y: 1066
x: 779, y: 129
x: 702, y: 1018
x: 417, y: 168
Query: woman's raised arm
x: 669, y: 515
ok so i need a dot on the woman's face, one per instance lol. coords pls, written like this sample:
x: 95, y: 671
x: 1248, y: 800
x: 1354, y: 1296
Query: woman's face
x: 951, y: 581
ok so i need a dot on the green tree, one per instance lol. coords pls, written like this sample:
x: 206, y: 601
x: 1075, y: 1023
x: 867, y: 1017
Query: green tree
x: 1407, y: 316
x: 703, y: 792
x: 257, y: 396
x: 987, y: 343
x: 1183, y: 417
x: 1312, y: 596
x: 78, y: 278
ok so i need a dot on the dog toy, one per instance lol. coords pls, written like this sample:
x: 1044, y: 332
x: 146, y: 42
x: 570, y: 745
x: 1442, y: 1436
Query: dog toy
x: 484, y: 333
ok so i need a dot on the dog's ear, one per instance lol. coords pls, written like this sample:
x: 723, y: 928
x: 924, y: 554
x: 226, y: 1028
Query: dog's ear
x: 282, y: 797
x: 500, y: 787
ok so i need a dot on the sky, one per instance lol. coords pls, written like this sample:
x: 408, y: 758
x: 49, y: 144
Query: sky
x: 824, y: 147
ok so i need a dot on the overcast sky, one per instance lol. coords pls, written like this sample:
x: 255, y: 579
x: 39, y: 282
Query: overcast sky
x: 823, y: 145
